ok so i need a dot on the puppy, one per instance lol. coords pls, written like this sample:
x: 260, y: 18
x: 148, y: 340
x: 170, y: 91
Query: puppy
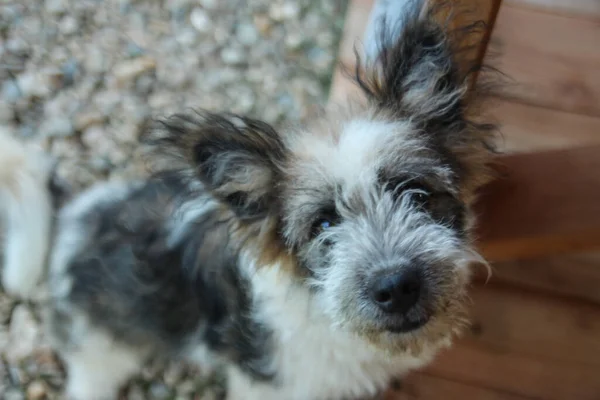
x: 317, y: 263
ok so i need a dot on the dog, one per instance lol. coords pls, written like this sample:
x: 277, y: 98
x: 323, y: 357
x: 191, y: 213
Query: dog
x: 313, y: 263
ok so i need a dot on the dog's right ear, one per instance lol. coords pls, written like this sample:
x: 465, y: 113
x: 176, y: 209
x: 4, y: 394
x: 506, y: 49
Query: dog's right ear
x: 236, y: 158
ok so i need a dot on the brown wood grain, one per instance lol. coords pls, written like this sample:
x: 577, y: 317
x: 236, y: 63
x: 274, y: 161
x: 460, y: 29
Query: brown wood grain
x: 527, y: 128
x: 552, y: 60
x: 530, y: 377
x: 419, y: 386
x: 575, y: 276
x: 344, y: 89
x: 585, y: 8
x: 534, y: 325
x: 357, y: 18
x: 522, y: 345
x: 542, y: 203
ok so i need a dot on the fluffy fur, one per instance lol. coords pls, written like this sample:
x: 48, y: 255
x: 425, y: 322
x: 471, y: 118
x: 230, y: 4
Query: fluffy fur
x: 317, y: 263
x: 26, y: 210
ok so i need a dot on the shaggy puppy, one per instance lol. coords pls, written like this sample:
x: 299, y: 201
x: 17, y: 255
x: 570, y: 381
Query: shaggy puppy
x: 313, y: 264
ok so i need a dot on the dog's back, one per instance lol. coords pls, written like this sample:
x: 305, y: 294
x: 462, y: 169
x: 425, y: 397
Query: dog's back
x: 26, y: 208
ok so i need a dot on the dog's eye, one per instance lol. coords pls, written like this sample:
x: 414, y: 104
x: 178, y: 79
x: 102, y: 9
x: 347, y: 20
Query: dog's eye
x: 417, y: 192
x: 322, y: 225
x: 421, y: 198
x: 324, y: 222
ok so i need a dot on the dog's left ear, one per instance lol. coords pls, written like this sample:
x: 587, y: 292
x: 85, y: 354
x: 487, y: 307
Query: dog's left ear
x: 416, y: 67
x: 236, y: 158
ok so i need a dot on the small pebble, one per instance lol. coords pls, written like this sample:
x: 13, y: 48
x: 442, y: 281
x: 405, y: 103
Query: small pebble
x: 200, y: 20
x: 159, y: 391
x: 126, y: 71
x: 55, y: 6
x: 209, y: 4
x: 58, y: 126
x: 95, y: 137
x: 68, y: 25
x: 37, y: 390
x: 263, y: 24
x: 95, y: 61
x: 34, y: 84
x: 285, y: 11
x: 85, y: 119
x: 24, y: 334
x: 11, y: 91
x: 247, y: 34
x: 232, y: 56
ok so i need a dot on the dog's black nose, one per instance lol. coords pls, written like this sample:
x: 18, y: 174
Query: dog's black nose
x: 396, y: 292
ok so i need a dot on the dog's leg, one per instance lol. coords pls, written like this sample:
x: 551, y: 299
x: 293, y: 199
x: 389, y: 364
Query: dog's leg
x: 26, y: 205
x: 98, y: 367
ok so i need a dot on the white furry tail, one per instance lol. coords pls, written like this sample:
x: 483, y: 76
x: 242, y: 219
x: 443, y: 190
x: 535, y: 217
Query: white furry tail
x: 26, y: 209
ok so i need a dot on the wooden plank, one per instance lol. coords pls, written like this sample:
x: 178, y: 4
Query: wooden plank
x: 543, y: 203
x: 534, y: 325
x: 521, y: 375
x: 520, y: 347
x: 553, y: 60
x: 585, y: 8
x: 527, y: 128
x: 575, y: 276
x: 357, y: 19
x: 344, y: 89
x: 427, y: 387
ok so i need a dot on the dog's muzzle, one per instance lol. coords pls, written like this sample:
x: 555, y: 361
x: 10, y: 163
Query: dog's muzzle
x: 399, y: 293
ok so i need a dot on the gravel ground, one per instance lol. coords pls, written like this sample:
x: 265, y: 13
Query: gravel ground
x: 83, y: 77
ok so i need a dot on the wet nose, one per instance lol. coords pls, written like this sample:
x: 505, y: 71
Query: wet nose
x: 396, y: 292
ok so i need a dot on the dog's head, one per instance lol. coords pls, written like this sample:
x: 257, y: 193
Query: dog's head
x: 373, y: 206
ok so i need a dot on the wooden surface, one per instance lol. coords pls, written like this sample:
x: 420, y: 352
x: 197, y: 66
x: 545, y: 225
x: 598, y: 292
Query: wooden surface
x: 543, y: 203
x: 585, y: 8
x: 513, y: 321
x: 572, y: 276
x: 510, y: 372
x: 430, y: 387
x: 536, y: 324
x: 528, y: 128
x: 523, y: 345
x: 552, y: 59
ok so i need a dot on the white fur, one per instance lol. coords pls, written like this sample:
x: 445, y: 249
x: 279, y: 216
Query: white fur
x: 393, y: 11
x: 354, y: 152
x: 26, y: 207
x: 184, y: 217
x: 99, y: 366
x: 312, y: 359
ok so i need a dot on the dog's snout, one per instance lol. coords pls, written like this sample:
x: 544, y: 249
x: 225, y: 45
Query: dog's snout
x: 396, y: 292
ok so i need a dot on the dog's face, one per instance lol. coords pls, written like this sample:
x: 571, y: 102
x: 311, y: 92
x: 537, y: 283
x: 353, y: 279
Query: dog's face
x: 371, y: 207
x: 376, y: 217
